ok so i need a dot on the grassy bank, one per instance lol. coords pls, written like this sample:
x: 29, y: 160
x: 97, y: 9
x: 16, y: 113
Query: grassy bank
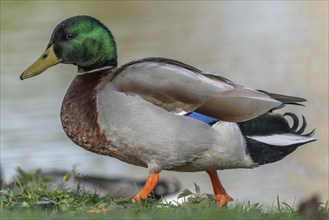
x: 29, y: 197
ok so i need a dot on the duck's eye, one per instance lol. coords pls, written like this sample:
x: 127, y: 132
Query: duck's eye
x: 70, y: 36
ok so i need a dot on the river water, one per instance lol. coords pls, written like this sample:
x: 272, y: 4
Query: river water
x: 279, y: 46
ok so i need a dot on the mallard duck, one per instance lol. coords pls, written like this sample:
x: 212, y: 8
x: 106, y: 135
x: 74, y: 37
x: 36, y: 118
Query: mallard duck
x: 163, y: 114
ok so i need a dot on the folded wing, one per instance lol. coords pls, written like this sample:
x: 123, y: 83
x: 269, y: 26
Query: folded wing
x: 177, y: 87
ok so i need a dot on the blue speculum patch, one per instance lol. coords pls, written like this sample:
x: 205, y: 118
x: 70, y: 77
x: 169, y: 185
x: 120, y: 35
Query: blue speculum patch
x: 204, y: 118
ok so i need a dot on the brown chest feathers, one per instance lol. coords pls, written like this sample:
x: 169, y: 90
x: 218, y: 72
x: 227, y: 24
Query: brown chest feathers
x: 79, y: 113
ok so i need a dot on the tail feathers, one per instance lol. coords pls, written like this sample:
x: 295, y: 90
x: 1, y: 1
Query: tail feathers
x: 292, y: 100
x: 270, y: 138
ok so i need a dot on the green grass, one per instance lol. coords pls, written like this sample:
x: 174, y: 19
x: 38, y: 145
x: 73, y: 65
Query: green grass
x: 30, y: 197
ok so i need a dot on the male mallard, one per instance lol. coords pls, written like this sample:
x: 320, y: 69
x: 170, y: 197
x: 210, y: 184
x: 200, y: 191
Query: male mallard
x: 163, y: 114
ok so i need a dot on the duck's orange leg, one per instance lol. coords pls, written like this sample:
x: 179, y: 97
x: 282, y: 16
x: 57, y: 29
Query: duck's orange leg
x: 151, y: 182
x: 222, y: 197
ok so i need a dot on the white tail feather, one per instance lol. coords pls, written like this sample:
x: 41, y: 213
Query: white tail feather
x: 283, y: 139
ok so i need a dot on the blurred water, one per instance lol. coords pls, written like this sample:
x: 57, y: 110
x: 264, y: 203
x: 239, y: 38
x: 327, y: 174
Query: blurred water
x: 276, y: 46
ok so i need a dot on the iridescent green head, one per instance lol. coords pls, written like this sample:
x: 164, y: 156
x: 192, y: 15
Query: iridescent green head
x: 81, y: 40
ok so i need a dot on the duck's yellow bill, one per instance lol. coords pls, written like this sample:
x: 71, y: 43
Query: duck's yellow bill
x: 46, y: 60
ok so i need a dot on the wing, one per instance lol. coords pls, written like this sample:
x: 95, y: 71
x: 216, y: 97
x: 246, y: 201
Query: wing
x: 177, y: 87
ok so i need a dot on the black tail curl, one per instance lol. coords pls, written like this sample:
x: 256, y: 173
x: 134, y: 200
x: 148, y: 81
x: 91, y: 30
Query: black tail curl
x: 296, y: 124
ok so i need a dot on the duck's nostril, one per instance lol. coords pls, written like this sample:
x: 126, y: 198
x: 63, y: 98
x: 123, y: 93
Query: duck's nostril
x: 44, y: 56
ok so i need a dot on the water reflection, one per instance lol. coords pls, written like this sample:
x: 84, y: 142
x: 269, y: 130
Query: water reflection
x: 276, y: 46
